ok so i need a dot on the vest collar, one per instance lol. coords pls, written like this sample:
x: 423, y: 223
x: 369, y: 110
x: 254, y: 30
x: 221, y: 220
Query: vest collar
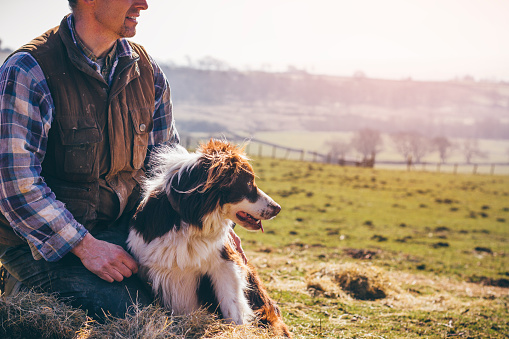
x: 126, y: 56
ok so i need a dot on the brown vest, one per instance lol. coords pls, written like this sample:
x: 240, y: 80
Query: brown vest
x: 99, y: 134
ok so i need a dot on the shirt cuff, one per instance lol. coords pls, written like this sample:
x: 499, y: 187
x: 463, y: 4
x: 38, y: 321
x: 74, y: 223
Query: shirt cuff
x: 60, y: 243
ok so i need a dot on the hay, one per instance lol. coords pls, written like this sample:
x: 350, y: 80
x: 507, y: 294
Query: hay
x: 36, y: 315
x: 153, y: 322
x: 361, y: 282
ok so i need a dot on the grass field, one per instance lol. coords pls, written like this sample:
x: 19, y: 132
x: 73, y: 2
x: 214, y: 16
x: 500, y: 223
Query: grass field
x: 438, y: 243
x: 368, y: 253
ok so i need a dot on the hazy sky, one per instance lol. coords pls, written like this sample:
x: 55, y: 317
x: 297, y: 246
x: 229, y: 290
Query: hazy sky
x: 422, y: 39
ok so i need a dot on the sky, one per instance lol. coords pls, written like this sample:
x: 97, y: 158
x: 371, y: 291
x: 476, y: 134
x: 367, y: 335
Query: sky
x: 390, y: 39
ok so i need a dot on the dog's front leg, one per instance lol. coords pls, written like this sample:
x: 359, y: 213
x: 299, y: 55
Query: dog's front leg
x: 229, y: 284
x: 179, y: 292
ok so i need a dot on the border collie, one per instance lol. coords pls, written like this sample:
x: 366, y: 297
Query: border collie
x: 180, y: 233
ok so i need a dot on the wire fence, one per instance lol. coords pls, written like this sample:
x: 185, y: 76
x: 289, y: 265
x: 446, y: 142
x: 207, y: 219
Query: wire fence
x: 261, y: 148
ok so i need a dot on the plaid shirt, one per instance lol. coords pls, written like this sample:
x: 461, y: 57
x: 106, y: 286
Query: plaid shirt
x: 26, y: 114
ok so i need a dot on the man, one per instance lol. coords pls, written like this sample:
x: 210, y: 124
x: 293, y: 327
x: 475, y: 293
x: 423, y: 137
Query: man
x: 80, y: 109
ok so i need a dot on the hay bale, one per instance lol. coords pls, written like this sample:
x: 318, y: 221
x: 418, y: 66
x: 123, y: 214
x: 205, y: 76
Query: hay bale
x: 36, y: 315
x: 361, y: 282
x: 153, y: 322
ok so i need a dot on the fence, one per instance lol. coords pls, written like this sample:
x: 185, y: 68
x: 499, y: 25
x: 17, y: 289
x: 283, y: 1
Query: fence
x: 260, y: 148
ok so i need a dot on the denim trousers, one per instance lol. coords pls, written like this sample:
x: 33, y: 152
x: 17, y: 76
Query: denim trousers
x: 71, y: 282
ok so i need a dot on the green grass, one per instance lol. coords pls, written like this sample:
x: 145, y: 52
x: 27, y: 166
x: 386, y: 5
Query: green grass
x: 440, y: 237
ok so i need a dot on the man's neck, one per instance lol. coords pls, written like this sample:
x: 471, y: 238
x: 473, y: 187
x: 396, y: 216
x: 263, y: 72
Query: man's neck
x: 96, y: 42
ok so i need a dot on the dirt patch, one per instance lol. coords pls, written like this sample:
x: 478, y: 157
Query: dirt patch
x: 361, y: 253
x: 486, y: 281
x: 360, y: 282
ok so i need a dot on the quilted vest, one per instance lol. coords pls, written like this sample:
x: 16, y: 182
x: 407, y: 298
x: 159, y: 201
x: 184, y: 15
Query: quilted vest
x: 99, y: 133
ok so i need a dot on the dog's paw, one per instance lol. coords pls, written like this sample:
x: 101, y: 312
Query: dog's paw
x: 238, y: 316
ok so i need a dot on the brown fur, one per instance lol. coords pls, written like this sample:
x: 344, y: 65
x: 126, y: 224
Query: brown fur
x: 266, y: 310
x: 225, y: 160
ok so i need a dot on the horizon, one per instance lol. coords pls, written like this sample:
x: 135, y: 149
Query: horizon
x: 396, y: 39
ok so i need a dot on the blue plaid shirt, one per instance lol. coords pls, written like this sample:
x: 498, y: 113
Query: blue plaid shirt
x: 26, y: 114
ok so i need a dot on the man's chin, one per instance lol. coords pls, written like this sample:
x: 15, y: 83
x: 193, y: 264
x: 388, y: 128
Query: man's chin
x: 127, y: 33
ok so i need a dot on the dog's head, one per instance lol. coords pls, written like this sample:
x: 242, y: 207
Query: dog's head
x: 221, y: 179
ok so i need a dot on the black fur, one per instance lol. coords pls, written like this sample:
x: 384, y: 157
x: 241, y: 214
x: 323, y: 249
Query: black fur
x: 187, y: 198
x: 207, y: 297
x: 155, y: 217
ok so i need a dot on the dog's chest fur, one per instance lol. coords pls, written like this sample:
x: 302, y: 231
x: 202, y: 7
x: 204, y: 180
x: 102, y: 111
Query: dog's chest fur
x: 187, y: 268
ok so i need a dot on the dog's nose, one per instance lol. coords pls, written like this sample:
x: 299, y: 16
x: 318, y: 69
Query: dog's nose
x: 276, y: 208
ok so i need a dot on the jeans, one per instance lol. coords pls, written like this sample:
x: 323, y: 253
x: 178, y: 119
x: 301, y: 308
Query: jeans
x: 72, y: 282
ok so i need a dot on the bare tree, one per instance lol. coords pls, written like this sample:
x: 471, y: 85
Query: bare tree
x: 337, y: 148
x: 368, y: 143
x: 443, y: 146
x: 471, y: 150
x: 411, y: 145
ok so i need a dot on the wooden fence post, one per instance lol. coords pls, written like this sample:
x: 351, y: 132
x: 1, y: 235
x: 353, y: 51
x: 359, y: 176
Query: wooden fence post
x: 475, y: 169
x: 302, y: 155
x: 273, y: 152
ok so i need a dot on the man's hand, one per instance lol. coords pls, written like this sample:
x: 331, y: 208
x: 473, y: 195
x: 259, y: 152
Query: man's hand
x: 108, y: 261
x: 236, y: 240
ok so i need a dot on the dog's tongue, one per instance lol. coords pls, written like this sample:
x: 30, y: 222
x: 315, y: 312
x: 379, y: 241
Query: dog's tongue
x: 260, y: 224
x: 248, y: 218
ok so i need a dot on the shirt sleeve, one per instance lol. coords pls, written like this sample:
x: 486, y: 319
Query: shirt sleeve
x: 26, y: 111
x: 164, y: 131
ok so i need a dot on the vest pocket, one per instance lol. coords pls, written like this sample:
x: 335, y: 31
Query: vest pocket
x: 79, y: 135
x: 143, y: 124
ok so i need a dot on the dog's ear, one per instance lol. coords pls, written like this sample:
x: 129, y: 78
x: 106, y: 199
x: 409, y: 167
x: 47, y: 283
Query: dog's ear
x: 186, y: 193
x: 155, y: 217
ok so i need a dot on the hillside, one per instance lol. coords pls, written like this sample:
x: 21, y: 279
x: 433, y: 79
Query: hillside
x: 211, y: 97
x: 216, y: 100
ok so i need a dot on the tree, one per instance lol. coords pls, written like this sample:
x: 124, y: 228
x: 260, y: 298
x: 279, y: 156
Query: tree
x: 368, y: 143
x: 471, y: 150
x: 411, y: 145
x: 443, y: 146
x: 337, y: 148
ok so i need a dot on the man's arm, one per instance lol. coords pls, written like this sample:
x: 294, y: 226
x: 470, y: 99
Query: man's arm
x: 26, y: 110
x: 164, y: 131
